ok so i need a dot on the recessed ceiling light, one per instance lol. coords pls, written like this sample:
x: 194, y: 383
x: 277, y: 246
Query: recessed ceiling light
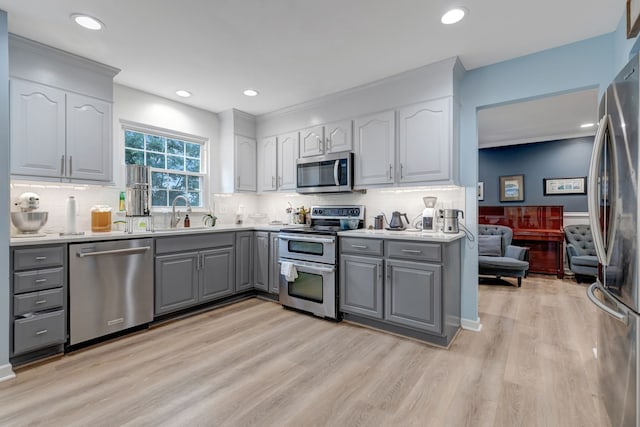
x: 183, y: 93
x: 587, y: 125
x: 453, y: 16
x: 250, y: 92
x: 88, y: 22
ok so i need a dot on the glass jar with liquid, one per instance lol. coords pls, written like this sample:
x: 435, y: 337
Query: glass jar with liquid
x: 101, y: 218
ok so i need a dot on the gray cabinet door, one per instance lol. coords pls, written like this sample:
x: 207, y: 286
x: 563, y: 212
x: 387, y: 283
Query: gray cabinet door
x: 176, y: 282
x: 244, y: 260
x: 413, y: 295
x: 261, y: 261
x: 361, y: 285
x: 274, y: 267
x: 217, y: 273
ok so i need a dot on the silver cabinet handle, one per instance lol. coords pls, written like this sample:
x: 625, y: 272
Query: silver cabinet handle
x: 622, y: 317
x: 40, y: 258
x: 273, y: 181
x: 401, y: 170
x: 44, y: 331
x: 390, y: 169
x: 70, y: 165
x: 115, y: 252
x: 62, y: 165
x: 42, y: 301
x: 411, y: 251
x: 328, y: 146
x: 321, y: 146
x: 40, y: 280
x: 359, y: 246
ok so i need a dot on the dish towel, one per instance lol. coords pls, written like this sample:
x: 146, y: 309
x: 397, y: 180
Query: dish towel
x: 288, y: 270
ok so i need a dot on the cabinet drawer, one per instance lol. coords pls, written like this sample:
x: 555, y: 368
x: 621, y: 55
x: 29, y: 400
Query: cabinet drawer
x: 27, y: 281
x: 24, y: 259
x: 38, y: 331
x: 414, y: 250
x: 166, y: 245
x: 354, y: 245
x: 37, y: 301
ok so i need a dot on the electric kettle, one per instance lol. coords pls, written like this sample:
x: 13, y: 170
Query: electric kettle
x: 396, y: 222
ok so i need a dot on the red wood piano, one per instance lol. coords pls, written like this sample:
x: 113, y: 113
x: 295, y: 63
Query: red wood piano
x: 537, y: 227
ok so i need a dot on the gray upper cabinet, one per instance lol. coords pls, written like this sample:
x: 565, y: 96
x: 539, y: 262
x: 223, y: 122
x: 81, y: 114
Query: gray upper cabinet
x: 287, y: 156
x: 88, y: 138
x: 268, y: 164
x: 413, y: 295
x: 312, y: 141
x: 59, y: 135
x: 176, y: 282
x: 361, y: 284
x: 244, y: 261
x: 246, y: 164
x: 375, y: 149
x: 329, y: 138
x: 38, y: 129
x: 425, y: 143
x: 261, y: 261
x: 216, y: 273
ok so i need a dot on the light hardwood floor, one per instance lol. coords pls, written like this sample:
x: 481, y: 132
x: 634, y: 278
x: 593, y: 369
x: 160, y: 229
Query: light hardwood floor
x: 254, y: 363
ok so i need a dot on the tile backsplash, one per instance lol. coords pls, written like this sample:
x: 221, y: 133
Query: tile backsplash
x: 53, y: 198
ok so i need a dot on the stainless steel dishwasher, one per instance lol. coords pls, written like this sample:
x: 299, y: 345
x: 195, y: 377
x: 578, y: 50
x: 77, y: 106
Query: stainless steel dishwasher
x: 110, y: 287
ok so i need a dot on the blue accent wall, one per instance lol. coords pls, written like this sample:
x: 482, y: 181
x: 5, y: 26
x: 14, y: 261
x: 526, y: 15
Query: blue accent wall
x: 552, y: 159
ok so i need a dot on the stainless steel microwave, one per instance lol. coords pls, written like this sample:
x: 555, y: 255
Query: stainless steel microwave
x: 332, y: 173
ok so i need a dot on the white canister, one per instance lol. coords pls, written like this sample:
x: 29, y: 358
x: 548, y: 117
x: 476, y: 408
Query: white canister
x: 72, y: 209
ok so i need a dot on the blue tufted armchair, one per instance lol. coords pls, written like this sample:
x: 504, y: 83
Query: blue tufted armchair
x: 497, y: 256
x: 581, y: 251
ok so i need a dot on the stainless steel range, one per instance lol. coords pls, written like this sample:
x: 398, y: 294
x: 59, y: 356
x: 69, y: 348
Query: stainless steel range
x: 308, y: 261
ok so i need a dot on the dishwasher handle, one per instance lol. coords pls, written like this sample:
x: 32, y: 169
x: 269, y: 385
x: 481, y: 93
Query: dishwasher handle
x: 115, y: 252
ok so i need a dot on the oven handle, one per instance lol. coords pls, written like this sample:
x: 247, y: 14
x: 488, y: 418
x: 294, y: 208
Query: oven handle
x: 306, y: 239
x: 308, y: 266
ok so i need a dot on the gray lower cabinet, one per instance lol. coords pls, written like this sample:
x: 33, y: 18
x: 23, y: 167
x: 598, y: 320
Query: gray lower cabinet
x: 176, y: 284
x: 261, y: 261
x: 413, y: 295
x: 361, y: 285
x: 274, y: 267
x: 38, y: 302
x: 406, y: 287
x: 244, y: 261
x: 193, y: 269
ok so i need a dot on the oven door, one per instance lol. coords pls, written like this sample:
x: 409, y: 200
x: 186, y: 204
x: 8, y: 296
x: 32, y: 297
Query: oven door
x: 314, y: 290
x: 306, y: 247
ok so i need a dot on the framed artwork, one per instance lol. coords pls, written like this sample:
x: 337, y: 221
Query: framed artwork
x: 564, y: 186
x: 481, y: 191
x: 512, y: 188
x: 633, y: 15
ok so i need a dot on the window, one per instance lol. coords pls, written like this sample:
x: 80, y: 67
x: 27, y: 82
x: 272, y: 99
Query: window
x: 176, y: 164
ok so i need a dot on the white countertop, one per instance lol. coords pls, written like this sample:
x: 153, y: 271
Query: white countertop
x: 403, y: 235
x: 120, y: 235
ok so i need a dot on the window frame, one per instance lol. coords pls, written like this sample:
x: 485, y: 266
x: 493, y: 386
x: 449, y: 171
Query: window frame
x: 126, y: 125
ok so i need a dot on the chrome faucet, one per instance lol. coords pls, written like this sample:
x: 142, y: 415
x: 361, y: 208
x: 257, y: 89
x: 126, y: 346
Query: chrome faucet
x: 175, y: 219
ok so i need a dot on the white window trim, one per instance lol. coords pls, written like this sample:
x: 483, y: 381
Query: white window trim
x: 173, y: 134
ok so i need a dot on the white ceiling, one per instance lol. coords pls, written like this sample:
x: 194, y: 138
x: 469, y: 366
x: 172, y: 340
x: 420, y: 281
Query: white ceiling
x: 544, y: 119
x: 296, y: 50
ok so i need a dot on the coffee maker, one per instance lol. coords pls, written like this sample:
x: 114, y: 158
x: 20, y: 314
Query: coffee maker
x: 429, y: 214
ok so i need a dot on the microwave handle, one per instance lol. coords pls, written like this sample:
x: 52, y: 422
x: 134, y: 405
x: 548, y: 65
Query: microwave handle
x: 336, y: 170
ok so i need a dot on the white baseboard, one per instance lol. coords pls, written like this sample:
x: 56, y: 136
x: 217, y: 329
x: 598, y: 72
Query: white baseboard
x: 471, y: 325
x: 6, y: 373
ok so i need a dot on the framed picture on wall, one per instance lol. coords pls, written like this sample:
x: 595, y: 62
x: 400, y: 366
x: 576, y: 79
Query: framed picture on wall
x: 564, y: 186
x: 633, y: 18
x: 481, y: 191
x: 512, y: 188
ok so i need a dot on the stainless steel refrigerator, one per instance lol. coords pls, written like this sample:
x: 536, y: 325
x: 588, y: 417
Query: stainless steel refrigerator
x: 613, y: 215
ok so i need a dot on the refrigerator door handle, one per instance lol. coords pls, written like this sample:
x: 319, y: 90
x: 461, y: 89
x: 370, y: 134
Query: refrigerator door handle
x: 622, y: 317
x: 592, y: 190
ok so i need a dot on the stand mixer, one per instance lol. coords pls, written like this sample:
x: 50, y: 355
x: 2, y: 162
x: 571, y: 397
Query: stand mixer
x: 28, y: 221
